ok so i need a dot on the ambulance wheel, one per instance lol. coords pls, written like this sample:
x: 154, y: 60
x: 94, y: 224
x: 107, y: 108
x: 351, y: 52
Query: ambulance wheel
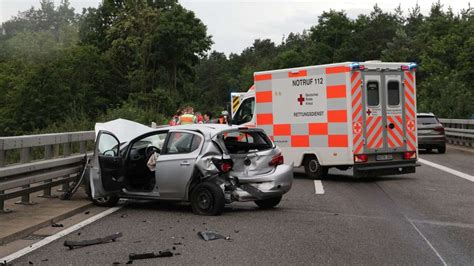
x: 313, y: 169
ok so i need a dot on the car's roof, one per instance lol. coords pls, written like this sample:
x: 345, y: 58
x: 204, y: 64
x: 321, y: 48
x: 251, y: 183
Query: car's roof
x: 211, y: 129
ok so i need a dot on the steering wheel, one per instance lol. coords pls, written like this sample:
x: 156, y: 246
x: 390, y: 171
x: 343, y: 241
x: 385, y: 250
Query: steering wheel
x: 150, y: 149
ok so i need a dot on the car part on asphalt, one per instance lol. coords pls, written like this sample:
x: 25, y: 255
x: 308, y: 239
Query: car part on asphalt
x: 210, y: 235
x: 71, y: 244
x: 150, y: 255
x: 57, y: 225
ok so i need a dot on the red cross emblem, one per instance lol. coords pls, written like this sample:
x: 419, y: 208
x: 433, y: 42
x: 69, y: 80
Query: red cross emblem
x: 301, y: 99
x: 356, y: 127
x: 411, y: 125
x: 368, y: 112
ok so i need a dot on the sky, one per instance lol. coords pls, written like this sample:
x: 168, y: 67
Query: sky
x: 235, y: 24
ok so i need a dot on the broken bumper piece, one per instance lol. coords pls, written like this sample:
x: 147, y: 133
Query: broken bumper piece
x: 151, y: 255
x: 83, y: 243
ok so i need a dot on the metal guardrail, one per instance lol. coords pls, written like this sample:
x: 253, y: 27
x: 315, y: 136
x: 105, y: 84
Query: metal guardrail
x: 459, y: 131
x: 40, y: 162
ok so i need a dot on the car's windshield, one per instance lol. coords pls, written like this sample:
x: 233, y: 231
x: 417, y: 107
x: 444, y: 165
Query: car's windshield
x: 426, y: 120
x: 245, y: 112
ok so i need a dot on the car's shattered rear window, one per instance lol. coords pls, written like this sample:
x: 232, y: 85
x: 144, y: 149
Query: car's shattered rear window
x: 246, y: 141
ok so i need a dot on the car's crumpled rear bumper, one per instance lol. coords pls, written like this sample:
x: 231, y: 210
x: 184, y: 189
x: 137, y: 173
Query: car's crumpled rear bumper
x: 273, y: 184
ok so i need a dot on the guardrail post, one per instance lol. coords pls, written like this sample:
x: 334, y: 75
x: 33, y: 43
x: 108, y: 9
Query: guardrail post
x: 66, y: 152
x: 82, y: 147
x: 25, y: 156
x: 2, y: 154
x: 48, y: 153
x: 2, y: 203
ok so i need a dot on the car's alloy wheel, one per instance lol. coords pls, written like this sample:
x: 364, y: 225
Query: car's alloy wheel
x: 207, y: 199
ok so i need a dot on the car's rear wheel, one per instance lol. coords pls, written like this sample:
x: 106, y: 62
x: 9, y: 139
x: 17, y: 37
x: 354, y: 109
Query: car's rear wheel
x: 207, y: 199
x: 268, y: 203
x: 313, y: 168
x: 442, y: 149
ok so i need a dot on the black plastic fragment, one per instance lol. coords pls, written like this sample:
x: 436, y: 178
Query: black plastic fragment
x: 57, y: 225
x: 101, y: 240
x: 150, y: 255
x: 210, y: 235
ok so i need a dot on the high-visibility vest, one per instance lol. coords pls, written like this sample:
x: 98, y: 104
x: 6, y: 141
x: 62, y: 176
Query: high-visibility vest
x: 187, y: 119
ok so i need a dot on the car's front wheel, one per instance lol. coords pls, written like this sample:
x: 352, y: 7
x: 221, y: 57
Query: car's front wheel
x: 109, y: 201
x: 268, y: 203
x: 207, y: 199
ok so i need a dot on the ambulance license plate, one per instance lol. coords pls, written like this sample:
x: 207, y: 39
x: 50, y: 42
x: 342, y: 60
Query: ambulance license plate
x: 384, y: 157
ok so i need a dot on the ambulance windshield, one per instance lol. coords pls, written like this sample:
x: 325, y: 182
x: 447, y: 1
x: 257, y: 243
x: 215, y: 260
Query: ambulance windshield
x: 245, y: 112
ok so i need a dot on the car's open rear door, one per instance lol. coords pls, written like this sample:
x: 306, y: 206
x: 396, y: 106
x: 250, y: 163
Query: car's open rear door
x: 107, y: 166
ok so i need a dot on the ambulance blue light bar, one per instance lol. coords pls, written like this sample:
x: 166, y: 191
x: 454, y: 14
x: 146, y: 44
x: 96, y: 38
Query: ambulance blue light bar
x: 354, y: 66
x: 411, y: 66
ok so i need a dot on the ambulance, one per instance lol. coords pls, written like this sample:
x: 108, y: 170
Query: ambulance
x: 352, y: 115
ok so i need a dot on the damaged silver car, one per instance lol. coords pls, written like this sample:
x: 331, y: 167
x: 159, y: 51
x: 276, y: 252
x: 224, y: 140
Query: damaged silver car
x: 207, y: 165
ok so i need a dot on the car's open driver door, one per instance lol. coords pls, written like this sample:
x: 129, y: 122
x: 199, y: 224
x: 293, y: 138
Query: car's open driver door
x: 107, y: 166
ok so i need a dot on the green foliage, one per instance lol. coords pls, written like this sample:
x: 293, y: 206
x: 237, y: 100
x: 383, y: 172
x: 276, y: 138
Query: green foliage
x: 141, y: 60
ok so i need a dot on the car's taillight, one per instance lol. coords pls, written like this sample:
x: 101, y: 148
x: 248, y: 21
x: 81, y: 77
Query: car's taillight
x: 276, y: 160
x: 409, y: 155
x: 361, y: 158
x: 439, y: 129
x: 223, y: 165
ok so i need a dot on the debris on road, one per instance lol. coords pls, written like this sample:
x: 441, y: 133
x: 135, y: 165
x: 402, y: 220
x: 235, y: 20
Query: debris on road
x: 150, y: 255
x: 123, y: 216
x: 210, y: 235
x: 101, y: 240
x: 57, y: 225
x: 87, y: 212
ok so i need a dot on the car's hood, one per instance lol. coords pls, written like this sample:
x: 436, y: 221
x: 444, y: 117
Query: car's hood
x: 124, y: 130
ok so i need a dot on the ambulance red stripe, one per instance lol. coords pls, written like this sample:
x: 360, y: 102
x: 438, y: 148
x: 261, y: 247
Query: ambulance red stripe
x: 336, y: 70
x: 379, y: 144
x: 375, y: 137
x: 262, y: 77
x: 356, y: 112
x: 300, y: 73
x: 410, y: 88
x: 354, y: 76
x: 263, y: 96
x: 357, y: 85
x: 356, y: 99
x: 336, y: 91
x: 410, y: 76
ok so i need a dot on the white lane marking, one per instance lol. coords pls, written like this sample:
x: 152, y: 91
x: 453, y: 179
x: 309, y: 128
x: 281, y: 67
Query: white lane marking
x: 448, y: 170
x: 58, y: 235
x: 318, y: 187
x: 428, y: 242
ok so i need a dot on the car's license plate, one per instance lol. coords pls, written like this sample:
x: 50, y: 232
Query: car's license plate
x: 384, y: 157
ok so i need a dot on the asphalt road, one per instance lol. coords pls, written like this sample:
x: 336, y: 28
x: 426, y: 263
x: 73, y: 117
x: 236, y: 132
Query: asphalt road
x: 422, y: 218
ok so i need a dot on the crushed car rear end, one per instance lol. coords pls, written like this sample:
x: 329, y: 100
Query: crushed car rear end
x: 257, y: 171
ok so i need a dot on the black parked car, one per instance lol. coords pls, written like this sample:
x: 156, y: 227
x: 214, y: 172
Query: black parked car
x: 430, y: 133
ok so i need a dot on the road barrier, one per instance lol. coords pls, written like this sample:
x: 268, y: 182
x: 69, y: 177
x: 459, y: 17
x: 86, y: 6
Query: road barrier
x: 459, y: 131
x: 40, y: 162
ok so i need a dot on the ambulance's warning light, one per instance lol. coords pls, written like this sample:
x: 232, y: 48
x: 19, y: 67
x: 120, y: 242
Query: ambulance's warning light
x: 354, y: 66
x: 411, y: 66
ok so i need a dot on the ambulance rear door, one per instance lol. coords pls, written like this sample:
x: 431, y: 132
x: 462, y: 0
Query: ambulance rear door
x: 384, y: 121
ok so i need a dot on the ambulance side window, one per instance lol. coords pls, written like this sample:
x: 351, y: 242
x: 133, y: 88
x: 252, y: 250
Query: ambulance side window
x: 373, y: 98
x: 393, y: 88
x: 245, y: 112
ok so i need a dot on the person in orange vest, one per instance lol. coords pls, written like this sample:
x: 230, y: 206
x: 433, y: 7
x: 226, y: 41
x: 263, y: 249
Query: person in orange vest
x: 188, y: 117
